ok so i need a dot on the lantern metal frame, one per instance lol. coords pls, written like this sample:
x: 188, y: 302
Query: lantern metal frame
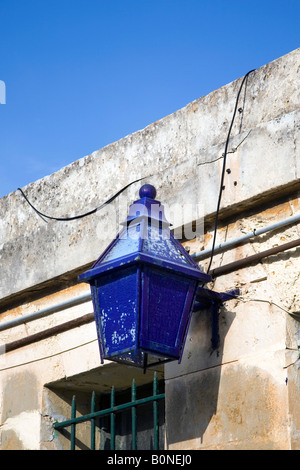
x: 122, y: 277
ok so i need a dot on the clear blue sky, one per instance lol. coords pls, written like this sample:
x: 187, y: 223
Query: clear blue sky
x: 81, y: 74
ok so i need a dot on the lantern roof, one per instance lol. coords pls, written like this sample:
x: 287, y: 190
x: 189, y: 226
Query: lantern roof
x: 146, y: 238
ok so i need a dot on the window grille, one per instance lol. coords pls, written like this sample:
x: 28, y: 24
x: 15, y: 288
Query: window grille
x: 108, y: 417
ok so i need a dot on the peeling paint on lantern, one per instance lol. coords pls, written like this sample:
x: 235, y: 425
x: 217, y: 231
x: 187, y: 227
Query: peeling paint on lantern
x: 159, y: 243
x: 144, y: 304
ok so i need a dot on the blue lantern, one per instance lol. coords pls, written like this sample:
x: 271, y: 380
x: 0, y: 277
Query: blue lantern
x: 143, y: 288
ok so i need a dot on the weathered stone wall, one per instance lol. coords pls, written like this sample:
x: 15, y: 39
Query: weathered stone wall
x: 239, y: 396
x: 244, y: 394
x: 183, y: 154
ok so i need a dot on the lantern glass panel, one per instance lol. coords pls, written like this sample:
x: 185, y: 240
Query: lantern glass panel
x: 166, y: 305
x: 128, y: 242
x: 117, y: 319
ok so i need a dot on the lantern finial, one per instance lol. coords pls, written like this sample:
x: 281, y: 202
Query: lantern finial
x: 147, y: 190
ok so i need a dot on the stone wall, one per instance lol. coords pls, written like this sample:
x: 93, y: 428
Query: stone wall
x: 242, y: 395
x: 183, y: 154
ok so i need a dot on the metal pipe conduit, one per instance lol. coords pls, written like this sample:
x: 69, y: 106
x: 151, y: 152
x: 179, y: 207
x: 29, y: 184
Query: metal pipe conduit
x: 237, y: 241
x: 241, y: 263
x: 202, y: 254
x: 90, y: 317
x: 46, y: 311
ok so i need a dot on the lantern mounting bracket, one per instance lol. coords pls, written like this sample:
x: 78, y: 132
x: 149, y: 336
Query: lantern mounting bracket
x: 209, y: 299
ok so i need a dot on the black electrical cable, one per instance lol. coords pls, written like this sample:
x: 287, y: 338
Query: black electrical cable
x: 111, y: 199
x: 223, y: 169
x: 43, y: 216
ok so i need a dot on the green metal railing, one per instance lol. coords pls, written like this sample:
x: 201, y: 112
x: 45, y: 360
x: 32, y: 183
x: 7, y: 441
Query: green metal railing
x: 112, y: 411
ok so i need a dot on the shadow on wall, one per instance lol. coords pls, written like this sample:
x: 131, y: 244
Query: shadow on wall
x: 230, y: 406
x: 192, y: 387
